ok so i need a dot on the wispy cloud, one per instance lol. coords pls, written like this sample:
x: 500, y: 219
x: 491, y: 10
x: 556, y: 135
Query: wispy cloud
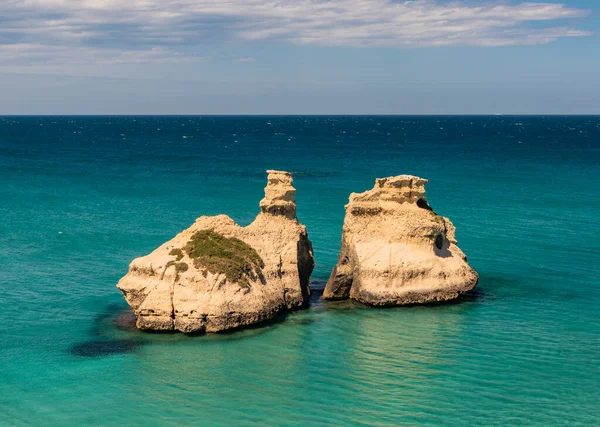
x: 42, y: 31
x: 35, y: 54
x: 246, y: 59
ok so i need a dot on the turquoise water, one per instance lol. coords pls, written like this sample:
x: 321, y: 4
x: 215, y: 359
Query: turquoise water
x: 82, y: 196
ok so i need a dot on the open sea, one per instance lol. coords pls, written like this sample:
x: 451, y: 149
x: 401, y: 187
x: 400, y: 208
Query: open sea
x: 80, y: 197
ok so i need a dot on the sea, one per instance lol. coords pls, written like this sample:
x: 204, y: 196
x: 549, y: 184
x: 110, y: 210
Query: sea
x: 82, y: 196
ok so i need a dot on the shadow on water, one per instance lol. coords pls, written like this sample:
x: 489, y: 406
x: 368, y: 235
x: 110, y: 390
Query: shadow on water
x: 123, y: 317
x: 476, y: 295
x: 119, y: 320
x: 245, y: 331
x: 103, y: 348
x: 316, y: 291
x: 100, y: 345
x: 114, y: 332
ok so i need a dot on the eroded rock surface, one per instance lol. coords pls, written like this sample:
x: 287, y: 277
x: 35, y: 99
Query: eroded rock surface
x: 217, y: 275
x: 396, y: 250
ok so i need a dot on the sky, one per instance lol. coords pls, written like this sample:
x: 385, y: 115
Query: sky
x: 299, y: 57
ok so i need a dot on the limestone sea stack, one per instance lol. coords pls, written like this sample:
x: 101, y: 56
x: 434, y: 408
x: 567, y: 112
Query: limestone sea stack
x: 217, y: 275
x: 396, y: 250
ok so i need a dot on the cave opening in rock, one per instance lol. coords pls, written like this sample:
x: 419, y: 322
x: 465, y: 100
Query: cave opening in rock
x: 439, y: 241
x: 422, y: 203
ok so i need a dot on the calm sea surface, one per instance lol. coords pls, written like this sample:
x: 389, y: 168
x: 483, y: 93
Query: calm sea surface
x: 80, y: 197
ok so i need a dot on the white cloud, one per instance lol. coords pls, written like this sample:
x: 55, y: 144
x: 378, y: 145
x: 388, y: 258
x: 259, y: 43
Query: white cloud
x: 33, y: 31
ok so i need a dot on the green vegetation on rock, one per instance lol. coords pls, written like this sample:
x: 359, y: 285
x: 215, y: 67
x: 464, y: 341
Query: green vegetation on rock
x: 225, y: 255
x: 177, y: 253
x: 144, y: 270
x: 437, y: 218
x: 180, y: 267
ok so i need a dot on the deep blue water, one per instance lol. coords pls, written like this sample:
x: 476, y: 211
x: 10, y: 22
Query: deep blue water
x: 80, y: 197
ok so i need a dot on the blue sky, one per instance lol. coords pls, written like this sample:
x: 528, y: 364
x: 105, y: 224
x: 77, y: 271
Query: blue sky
x: 299, y: 57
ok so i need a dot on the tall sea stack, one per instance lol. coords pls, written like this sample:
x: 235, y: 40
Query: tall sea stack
x: 396, y: 250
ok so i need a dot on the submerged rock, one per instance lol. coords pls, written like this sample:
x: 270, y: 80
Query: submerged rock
x: 217, y: 275
x: 396, y: 250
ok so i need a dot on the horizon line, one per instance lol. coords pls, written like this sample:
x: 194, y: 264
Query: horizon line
x: 304, y: 115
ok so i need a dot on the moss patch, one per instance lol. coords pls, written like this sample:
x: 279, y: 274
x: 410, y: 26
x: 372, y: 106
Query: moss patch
x: 177, y: 253
x: 225, y: 255
x: 180, y: 267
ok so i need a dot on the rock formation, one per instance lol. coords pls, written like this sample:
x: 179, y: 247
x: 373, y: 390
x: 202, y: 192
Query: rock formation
x: 217, y: 275
x: 396, y: 250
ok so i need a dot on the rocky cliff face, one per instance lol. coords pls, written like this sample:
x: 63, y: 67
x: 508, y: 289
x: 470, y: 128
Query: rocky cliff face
x: 217, y: 275
x: 396, y: 250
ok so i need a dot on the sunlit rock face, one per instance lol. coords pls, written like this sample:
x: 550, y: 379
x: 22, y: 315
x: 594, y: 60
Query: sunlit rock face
x: 396, y: 250
x: 217, y: 275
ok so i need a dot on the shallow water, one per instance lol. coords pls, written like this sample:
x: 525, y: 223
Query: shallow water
x: 81, y: 197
